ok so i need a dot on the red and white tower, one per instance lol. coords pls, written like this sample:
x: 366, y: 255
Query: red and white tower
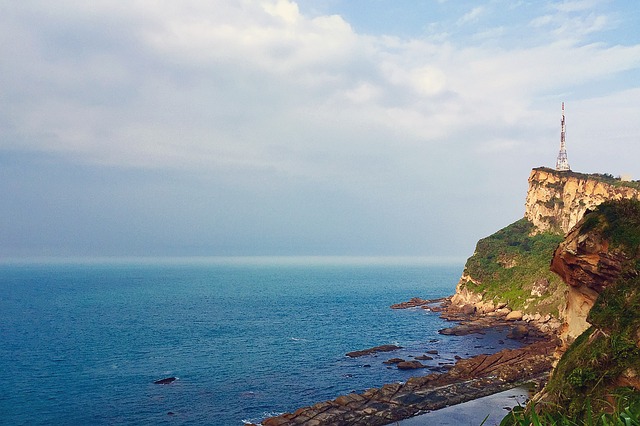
x: 562, y: 164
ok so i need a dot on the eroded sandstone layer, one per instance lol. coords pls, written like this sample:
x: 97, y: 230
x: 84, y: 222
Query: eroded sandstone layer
x: 556, y: 201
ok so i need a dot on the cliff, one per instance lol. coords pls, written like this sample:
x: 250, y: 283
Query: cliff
x: 556, y: 201
x: 512, y: 265
x: 599, y: 261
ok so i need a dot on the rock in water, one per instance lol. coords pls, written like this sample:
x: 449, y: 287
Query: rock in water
x: 370, y: 351
x: 519, y: 332
x: 410, y: 365
x: 165, y: 381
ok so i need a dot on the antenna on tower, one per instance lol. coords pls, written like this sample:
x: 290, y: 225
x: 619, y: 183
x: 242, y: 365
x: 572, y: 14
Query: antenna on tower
x: 562, y: 164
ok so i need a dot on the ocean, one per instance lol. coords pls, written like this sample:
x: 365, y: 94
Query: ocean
x: 83, y: 342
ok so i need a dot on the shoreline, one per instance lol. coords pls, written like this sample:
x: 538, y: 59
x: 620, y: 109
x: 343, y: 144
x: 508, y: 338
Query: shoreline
x: 490, y: 409
x: 466, y: 380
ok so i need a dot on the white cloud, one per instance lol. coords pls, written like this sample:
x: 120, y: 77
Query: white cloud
x: 472, y: 16
x: 197, y: 84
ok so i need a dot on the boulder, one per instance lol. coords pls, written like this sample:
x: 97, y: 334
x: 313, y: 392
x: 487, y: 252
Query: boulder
x: 165, y: 381
x: 468, y: 309
x: 485, y: 307
x: 514, y: 316
x: 519, y: 332
x: 393, y: 361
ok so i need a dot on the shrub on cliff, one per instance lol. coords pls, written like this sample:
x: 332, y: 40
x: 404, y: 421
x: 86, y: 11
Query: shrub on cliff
x: 507, y: 264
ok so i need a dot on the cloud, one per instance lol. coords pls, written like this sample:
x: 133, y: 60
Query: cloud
x: 471, y: 16
x: 255, y: 94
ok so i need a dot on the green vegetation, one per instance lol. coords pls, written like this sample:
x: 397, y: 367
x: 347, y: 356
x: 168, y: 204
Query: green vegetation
x: 625, y: 411
x: 508, y: 264
x: 619, y: 222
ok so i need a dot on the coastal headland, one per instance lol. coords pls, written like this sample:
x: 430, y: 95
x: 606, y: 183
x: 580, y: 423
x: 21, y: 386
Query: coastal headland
x: 508, y: 285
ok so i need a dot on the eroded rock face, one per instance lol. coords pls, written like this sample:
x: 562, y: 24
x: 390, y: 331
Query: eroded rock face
x: 585, y: 262
x: 558, y: 200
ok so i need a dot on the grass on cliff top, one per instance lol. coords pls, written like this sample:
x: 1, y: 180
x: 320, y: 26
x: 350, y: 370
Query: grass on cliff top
x: 507, y: 265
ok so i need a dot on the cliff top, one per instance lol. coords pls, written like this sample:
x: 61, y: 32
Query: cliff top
x: 600, y: 177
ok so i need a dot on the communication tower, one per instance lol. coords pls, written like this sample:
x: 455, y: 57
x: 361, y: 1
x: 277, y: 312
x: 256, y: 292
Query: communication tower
x: 562, y: 164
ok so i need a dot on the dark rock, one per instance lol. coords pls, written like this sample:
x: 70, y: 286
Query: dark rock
x: 410, y: 365
x: 424, y: 358
x: 432, y: 352
x: 394, y: 361
x: 414, y: 302
x: 519, y: 332
x: 165, y: 381
x: 366, y: 366
x: 468, y: 309
x: 383, y: 348
x: 463, y: 330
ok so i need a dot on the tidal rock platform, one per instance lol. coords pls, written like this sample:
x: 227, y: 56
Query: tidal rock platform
x: 468, y: 379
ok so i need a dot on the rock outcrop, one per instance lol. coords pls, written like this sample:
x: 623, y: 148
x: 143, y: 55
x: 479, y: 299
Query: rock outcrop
x: 374, y: 350
x: 511, y: 266
x: 587, y: 264
x: 556, y: 201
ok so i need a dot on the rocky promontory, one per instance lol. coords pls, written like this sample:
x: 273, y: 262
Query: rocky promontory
x: 508, y: 284
x: 469, y: 379
x: 462, y: 381
x: 511, y: 266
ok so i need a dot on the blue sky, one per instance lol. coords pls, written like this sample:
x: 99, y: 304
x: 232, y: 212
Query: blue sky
x: 276, y: 127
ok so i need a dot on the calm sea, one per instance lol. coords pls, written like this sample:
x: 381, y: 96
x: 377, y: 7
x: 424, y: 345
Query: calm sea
x: 82, y: 343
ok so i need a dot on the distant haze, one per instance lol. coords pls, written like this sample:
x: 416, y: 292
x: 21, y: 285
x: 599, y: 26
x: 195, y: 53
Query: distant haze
x: 264, y: 127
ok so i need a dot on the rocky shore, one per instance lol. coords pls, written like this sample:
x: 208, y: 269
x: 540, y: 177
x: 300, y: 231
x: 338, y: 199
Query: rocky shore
x: 466, y: 380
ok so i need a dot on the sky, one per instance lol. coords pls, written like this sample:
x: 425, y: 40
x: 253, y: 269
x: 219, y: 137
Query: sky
x: 308, y: 127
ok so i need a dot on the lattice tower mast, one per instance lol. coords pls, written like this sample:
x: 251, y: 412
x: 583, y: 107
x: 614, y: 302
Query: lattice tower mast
x: 562, y: 164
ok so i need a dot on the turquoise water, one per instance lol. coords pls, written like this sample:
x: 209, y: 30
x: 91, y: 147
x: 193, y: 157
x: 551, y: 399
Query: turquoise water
x: 82, y: 343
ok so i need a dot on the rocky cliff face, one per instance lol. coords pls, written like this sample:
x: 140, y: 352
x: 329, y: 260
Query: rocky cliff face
x: 512, y: 264
x: 556, y: 201
x: 587, y: 264
x: 600, y: 262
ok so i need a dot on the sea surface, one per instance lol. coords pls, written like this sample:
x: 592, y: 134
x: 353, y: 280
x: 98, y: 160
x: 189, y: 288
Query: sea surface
x: 82, y: 342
